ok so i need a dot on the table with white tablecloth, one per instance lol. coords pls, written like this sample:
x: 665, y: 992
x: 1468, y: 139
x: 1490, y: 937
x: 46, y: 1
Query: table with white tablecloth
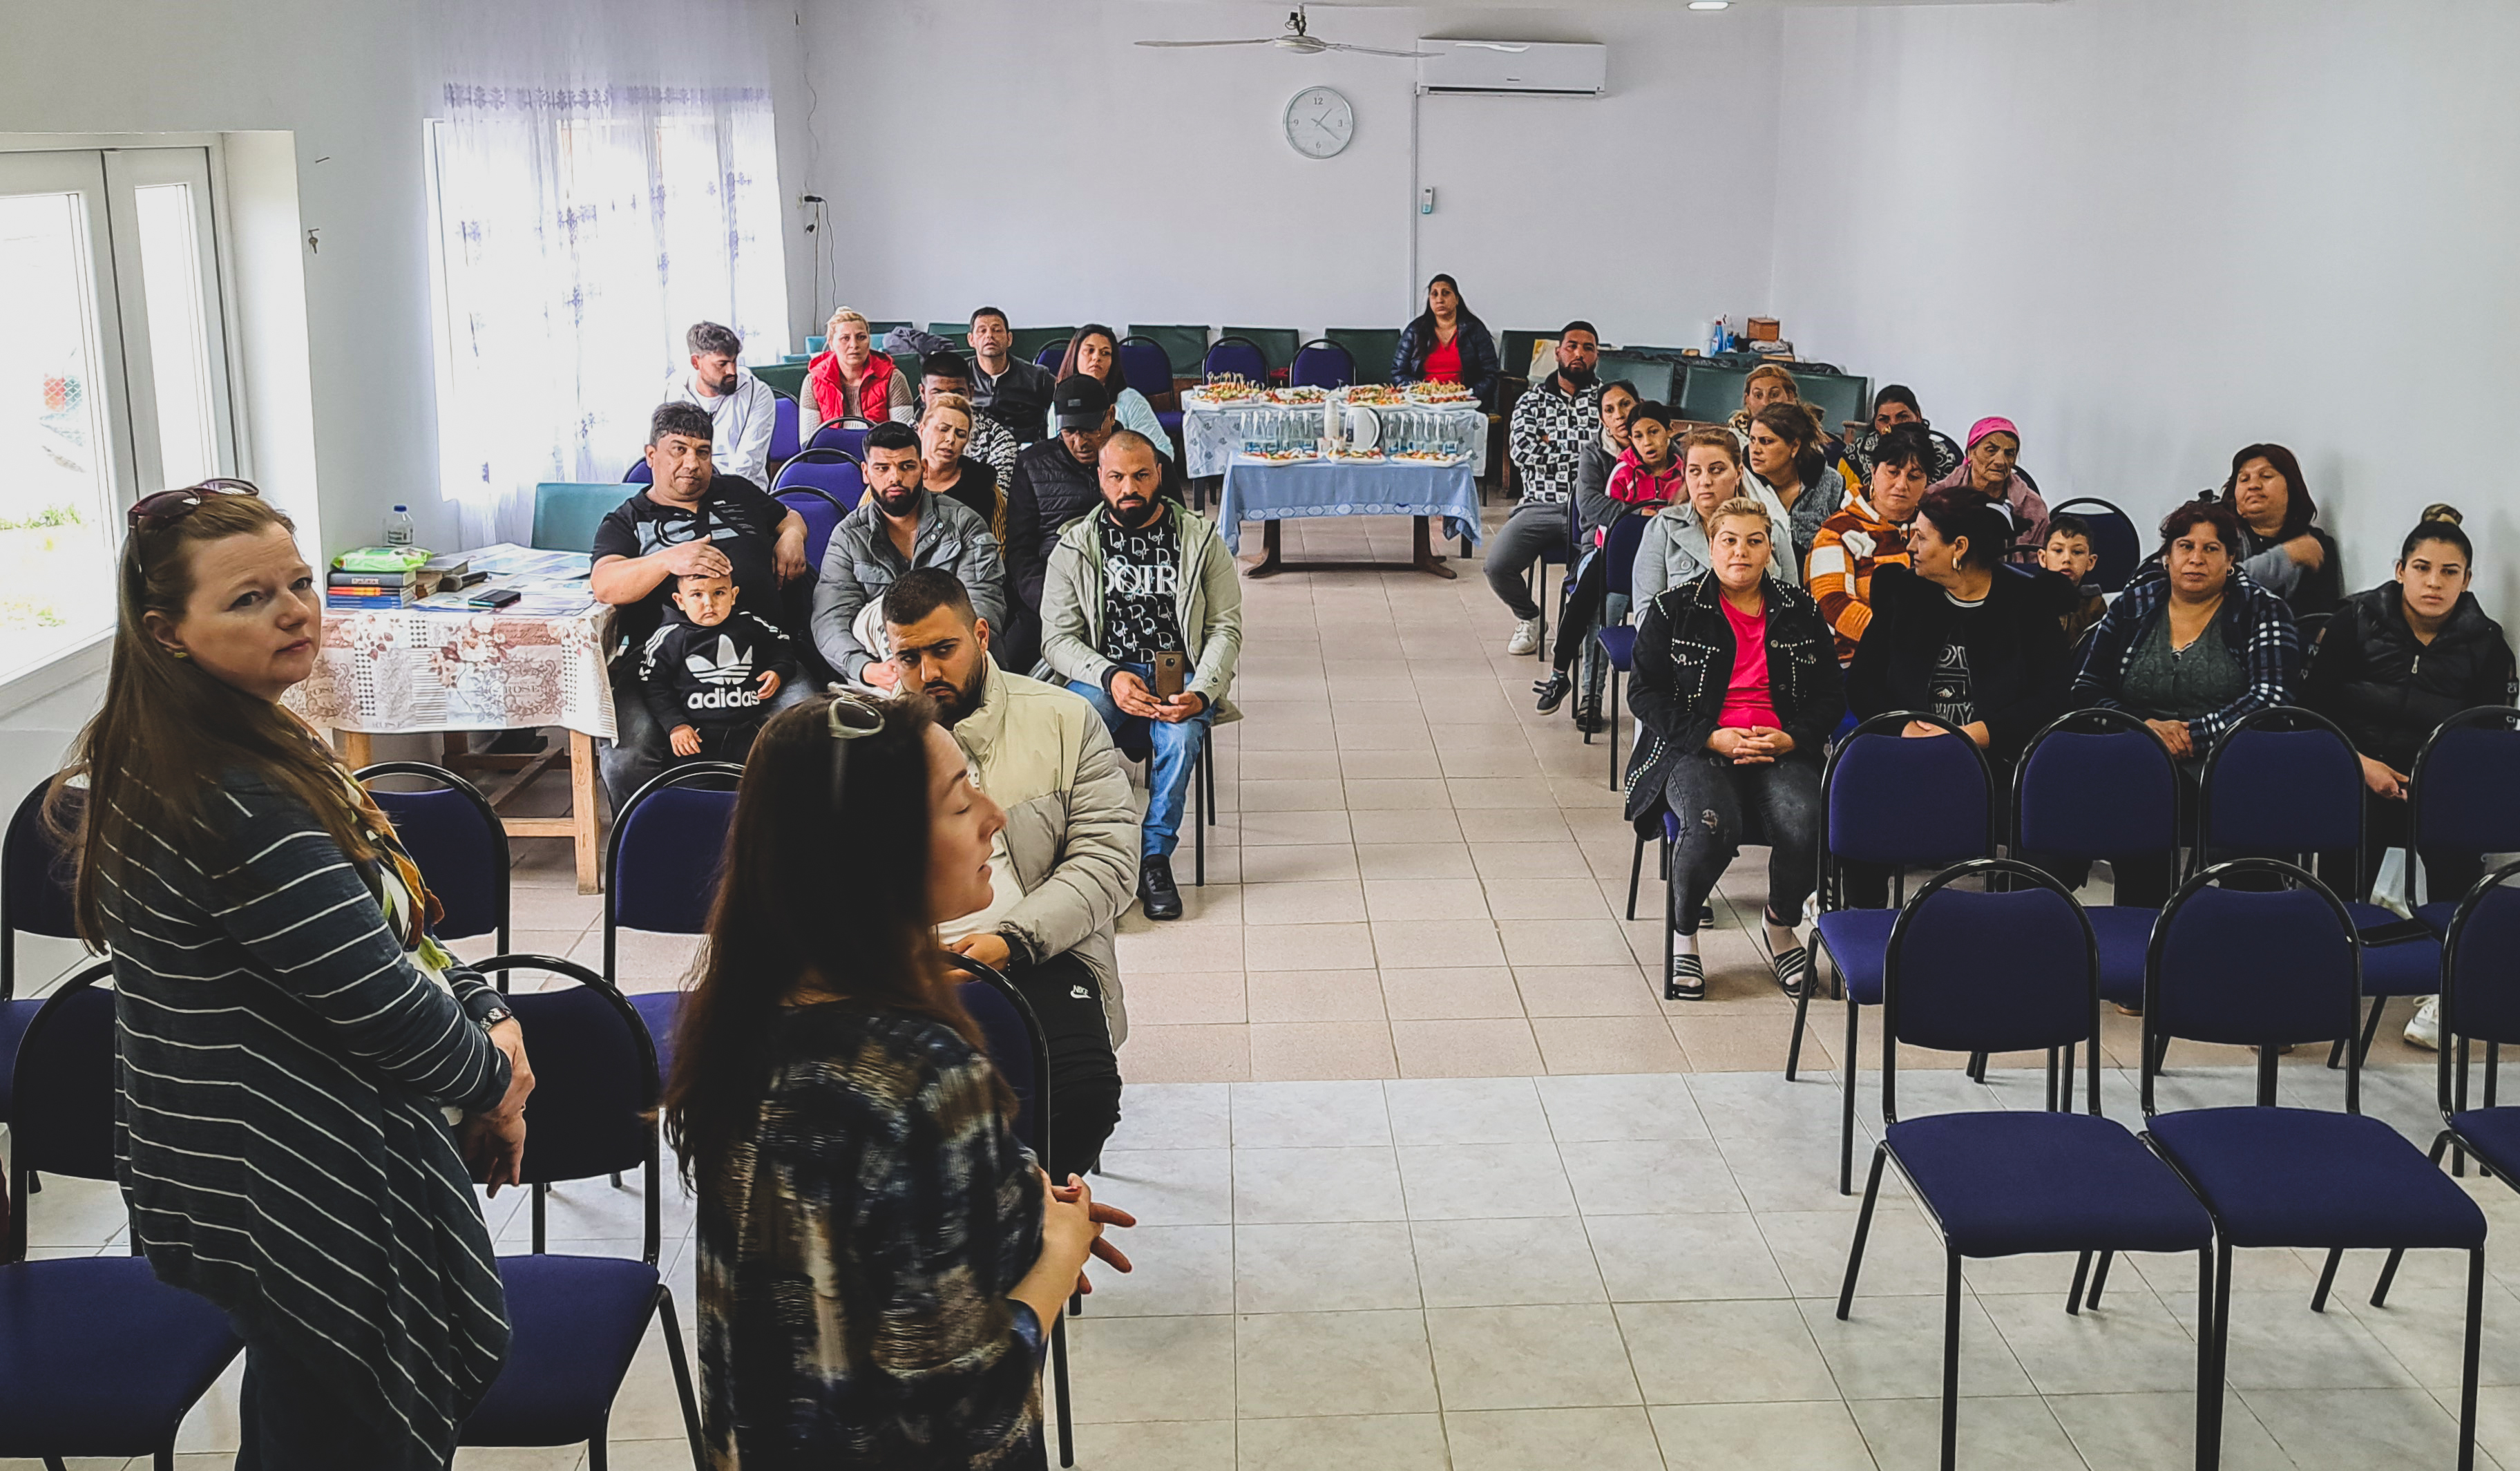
x: 1214, y: 434
x: 1278, y: 492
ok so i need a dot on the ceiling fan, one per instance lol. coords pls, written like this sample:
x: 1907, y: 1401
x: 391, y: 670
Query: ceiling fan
x: 1298, y: 38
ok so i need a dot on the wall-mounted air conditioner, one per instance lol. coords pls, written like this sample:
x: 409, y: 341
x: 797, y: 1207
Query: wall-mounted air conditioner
x: 1549, y: 67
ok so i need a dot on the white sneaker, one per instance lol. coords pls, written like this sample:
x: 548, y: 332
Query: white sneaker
x: 1526, y: 637
x: 2425, y: 1030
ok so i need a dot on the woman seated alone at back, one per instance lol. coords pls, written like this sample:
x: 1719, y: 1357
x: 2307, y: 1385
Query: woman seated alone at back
x: 2189, y: 647
x: 879, y: 1257
x: 1738, y: 686
x: 1449, y: 344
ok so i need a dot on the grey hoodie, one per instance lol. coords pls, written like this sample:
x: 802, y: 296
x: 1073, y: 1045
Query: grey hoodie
x: 861, y: 562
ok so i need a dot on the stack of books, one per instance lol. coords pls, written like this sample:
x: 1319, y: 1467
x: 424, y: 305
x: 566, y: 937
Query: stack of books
x: 361, y: 591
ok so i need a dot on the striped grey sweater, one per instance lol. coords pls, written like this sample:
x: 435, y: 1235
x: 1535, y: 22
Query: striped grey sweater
x: 283, y: 1066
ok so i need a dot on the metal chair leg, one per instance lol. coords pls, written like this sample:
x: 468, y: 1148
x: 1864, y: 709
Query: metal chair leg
x: 2099, y: 1281
x: 2209, y: 1447
x: 2397, y: 1254
x: 2326, y: 1279
x: 1845, y: 1124
x: 1614, y: 727
x: 1201, y: 805
x: 1636, y: 871
x: 1951, y: 1361
x: 2074, y: 1294
x: 1058, y: 1377
x: 2467, y: 1375
x: 2209, y: 1384
x: 682, y: 1367
x: 1862, y: 1233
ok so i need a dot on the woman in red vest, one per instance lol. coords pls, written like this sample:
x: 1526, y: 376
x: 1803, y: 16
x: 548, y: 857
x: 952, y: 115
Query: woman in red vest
x: 849, y: 375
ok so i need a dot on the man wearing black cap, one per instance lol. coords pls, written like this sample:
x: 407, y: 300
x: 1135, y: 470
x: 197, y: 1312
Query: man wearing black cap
x: 1054, y: 484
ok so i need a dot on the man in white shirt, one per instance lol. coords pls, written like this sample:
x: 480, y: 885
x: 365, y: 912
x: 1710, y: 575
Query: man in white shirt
x: 741, y: 406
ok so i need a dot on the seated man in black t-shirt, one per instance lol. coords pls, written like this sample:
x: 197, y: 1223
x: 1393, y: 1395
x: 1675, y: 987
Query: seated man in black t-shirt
x: 691, y: 520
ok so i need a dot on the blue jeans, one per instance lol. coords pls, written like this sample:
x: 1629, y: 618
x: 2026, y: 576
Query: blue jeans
x: 1175, y: 744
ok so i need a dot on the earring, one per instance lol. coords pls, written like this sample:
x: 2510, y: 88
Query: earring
x: 180, y: 652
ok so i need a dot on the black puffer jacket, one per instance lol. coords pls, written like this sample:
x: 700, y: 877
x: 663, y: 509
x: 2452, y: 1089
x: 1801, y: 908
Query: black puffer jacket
x: 1048, y: 491
x: 2019, y: 665
x: 2387, y: 689
x: 1683, y: 664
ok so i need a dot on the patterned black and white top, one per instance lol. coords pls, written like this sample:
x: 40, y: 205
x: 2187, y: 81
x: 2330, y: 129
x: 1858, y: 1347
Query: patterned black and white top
x: 283, y: 1063
x: 1547, y: 435
x: 855, y: 1251
x: 1141, y: 584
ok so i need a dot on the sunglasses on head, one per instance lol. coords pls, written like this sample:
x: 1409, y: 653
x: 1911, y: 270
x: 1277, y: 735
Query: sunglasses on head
x: 852, y: 717
x: 152, y: 512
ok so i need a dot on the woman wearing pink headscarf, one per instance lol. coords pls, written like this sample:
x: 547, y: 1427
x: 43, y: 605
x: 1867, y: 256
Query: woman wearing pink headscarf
x: 1993, y: 446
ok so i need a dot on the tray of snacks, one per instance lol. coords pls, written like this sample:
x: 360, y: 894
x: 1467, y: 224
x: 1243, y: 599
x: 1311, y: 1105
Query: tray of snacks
x: 1225, y: 392
x: 1445, y: 393
x: 1358, y: 457
x: 1425, y: 457
x: 1306, y: 394
x: 1281, y: 456
x: 1375, y: 395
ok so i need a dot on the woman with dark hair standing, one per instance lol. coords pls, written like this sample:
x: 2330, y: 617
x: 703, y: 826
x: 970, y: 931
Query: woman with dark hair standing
x: 878, y: 1258
x: 298, y: 1053
x: 1448, y: 343
x: 2189, y: 648
x: 1095, y: 351
x: 2278, y: 546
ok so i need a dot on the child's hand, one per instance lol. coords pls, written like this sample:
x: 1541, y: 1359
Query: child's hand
x: 768, y: 683
x: 686, y: 741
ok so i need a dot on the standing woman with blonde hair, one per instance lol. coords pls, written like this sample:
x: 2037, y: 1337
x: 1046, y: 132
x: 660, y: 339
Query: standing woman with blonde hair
x: 850, y: 380
x: 303, y: 1070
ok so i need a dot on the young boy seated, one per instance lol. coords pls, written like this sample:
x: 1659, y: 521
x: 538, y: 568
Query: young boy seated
x: 2069, y: 552
x: 709, y: 667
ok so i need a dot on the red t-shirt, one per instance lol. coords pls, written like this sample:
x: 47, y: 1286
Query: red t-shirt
x: 1444, y: 364
x: 1746, y: 701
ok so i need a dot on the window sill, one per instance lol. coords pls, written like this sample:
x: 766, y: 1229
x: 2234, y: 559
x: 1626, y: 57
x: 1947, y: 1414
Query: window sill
x: 40, y: 682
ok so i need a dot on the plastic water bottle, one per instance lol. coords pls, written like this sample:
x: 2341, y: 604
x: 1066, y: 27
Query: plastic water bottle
x: 398, y: 527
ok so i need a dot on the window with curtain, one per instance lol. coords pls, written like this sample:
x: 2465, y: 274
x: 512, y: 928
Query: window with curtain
x: 579, y: 233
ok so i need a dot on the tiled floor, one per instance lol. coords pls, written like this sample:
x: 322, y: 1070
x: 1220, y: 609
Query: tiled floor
x: 1429, y: 1176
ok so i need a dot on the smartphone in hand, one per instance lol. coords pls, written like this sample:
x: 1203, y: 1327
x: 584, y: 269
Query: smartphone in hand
x: 1172, y: 670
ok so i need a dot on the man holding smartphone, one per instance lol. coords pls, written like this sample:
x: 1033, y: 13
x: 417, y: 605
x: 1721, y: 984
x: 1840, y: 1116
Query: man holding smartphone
x: 1142, y: 614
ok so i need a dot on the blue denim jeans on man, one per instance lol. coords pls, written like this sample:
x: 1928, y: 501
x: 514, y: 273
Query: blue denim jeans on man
x: 1176, y: 753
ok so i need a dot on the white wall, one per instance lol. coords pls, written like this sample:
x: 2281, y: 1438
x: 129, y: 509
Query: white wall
x: 1026, y: 153
x: 2154, y: 231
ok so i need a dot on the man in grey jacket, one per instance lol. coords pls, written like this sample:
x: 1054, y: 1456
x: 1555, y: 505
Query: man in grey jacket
x: 897, y: 526
x: 1064, y: 866
x: 1137, y: 593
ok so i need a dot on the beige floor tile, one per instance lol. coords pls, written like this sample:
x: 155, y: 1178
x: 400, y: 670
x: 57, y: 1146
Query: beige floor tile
x: 1299, y: 864
x: 1717, y: 1043
x: 1590, y: 990
x: 1304, y: 902
x: 1396, y: 793
x: 1334, y: 1363
x: 1261, y: 829
x: 1464, y: 1049
x: 1146, y: 946
x: 1152, y: 1369
x: 1441, y: 860
x: 1187, y: 1054
x: 1506, y: 861
x: 1456, y: 993
x: 1530, y: 1357
x: 1620, y: 1439
x: 1544, y: 899
x: 1386, y: 1443
x: 1288, y: 766
x: 1295, y: 1050
x: 1308, y: 947
x: 1314, y: 995
x: 1145, y: 1446
x: 1186, y: 998
x: 1514, y: 825
x: 1389, y: 765
x: 1420, y: 943
x: 1607, y: 1045
x: 1564, y: 942
x: 1389, y: 899
x: 1346, y: 1266
x: 1413, y: 824
x: 1293, y: 796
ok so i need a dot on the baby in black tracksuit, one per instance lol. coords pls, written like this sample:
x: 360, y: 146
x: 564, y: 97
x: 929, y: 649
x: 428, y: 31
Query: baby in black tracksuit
x: 709, y: 670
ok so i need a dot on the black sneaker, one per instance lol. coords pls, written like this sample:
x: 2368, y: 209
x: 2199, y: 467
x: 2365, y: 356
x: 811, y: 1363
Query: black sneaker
x: 1157, y: 890
x: 1686, y: 981
x: 1552, y: 691
x: 1587, y: 719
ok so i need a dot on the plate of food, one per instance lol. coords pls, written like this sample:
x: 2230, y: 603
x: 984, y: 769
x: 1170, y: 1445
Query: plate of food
x: 1282, y: 456
x: 1428, y: 457
x: 1441, y: 393
x: 1359, y: 456
x: 1307, y: 393
x: 1229, y: 391
x: 1377, y: 396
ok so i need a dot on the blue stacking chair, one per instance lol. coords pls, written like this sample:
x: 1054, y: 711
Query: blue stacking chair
x: 838, y: 474
x: 639, y: 473
x: 1238, y: 355
x: 821, y: 509
x: 576, y: 1322
x: 2100, y: 784
x: 2463, y: 795
x: 2284, y: 782
x: 2480, y: 1002
x: 1618, y: 641
x: 1021, y: 1055
x: 785, y: 430
x: 2114, y: 540
x: 1051, y: 355
x: 1323, y: 364
x: 847, y: 435
x: 35, y: 881
x: 1903, y: 804
x: 1145, y: 366
x: 2010, y: 972
x: 97, y: 1356
x: 455, y: 836
x: 661, y: 873
x: 2270, y: 968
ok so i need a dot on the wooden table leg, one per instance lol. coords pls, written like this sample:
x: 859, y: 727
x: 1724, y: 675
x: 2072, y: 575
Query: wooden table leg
x: 1270, y: 545
x: 581, y: 810
x: 358, y: 748
x: 1422, y: 545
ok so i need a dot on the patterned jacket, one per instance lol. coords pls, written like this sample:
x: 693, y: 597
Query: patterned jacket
x: 1683, y: 664
x: 1848, y: 546
x: 1547, y: 435
x: 2253, y: 620
x: 855, y: 1248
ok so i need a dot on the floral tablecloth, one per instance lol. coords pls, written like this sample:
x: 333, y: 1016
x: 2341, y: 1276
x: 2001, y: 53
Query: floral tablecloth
x: 420, y: 669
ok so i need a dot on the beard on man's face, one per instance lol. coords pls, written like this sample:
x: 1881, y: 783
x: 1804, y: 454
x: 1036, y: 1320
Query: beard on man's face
x: 900, y: 500
x: 1132, y: 510
x: 955, y: 701
x: 725, y: 386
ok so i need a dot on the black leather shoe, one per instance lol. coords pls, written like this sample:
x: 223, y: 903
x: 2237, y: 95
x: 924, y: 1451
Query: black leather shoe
x: 1157, y: 890
x: 1552, y: 691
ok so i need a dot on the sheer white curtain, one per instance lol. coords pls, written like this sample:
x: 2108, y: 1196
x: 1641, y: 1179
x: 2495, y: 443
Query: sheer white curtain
x: 604, y: 180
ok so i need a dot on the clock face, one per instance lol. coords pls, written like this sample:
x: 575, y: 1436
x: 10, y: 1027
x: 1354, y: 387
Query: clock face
x: 1319, y: 123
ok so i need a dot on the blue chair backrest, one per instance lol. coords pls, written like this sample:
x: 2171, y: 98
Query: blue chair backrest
x: 639, y: 473
x: 1322, y: 364
x: 1051, y: 355
x: 567, y: 512
x: 2011, y: 972
x: 2282, y: 791
x: 784, y: 428
x: 1239, y: 356
x: 2111, y: 793
x: 2114, y: 540
x: 847, y: 438
x: 35, y: 874
x: 1011, y: 1044
x: 1145, y: 366
x: 834, y: 473
x: 458, y: 841
x: 2248, y: 967
x: 1619, y: 553
x: 595, y: 1080
x: 2481, y: 962
x: 820, y: 508
x: 1918, y: 804
x: 668, y: 852
x: 2466, y: 791
x: 63, y: 1110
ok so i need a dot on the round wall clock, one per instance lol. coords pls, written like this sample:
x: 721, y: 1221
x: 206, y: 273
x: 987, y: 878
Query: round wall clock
x: 1319, y: 123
